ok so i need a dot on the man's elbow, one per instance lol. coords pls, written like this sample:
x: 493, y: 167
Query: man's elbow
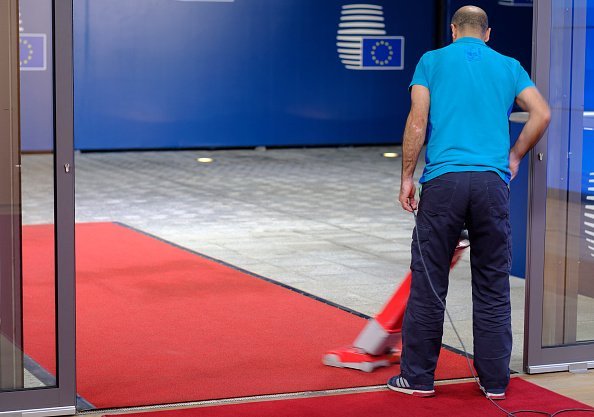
x: 542, y: 114
x: 546, y: 116
x: 418, y: 124
x: 418, y: 129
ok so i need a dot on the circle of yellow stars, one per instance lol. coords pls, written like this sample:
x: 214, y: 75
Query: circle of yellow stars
x: 29, y: 49
x: 380, y: 44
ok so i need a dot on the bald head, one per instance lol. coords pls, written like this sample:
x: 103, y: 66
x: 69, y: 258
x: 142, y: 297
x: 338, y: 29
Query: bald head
x: 471, y: 20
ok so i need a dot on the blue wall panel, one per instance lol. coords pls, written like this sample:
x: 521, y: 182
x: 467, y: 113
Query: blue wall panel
x: 587, y: 163
x: 511, y: 26
x: 182, y: 74
x: 518, y: 200
x: 586, y: 285
x: 589, y: 75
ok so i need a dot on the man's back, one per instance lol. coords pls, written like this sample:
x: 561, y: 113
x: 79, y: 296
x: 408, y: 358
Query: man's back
x: 472, y: 90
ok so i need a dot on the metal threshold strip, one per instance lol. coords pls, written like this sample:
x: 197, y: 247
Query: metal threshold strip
x: 574, y: 367
x: 255, y: 398
x: 41, y: 412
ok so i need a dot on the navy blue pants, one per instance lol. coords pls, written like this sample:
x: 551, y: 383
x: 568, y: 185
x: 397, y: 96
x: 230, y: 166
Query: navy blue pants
x: 479, y: 200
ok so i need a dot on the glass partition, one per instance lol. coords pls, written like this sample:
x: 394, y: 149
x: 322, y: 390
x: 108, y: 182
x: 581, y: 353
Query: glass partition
x: 36, y: 210
x: 585, y: 301
x: 569, y: 265
x: 560, y: 297
x: 27, y: 241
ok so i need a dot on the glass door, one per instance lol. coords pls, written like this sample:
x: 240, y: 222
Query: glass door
x: 37, y: 298
x: 560, y: 296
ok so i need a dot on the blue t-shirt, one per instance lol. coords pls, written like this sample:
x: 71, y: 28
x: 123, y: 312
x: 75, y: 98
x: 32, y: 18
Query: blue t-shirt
x: 472, y: 90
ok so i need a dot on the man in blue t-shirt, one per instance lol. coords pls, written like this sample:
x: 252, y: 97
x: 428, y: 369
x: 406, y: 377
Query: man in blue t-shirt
x: 465, y: 91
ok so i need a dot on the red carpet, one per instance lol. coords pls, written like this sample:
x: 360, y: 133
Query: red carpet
x: 459, y: 400
x: 158, y: 324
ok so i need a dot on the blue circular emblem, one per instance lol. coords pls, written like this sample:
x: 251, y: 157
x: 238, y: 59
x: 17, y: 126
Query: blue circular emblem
x: 382, y: 53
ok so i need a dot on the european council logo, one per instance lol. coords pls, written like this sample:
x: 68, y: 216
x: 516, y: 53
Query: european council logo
x: 362, y: 42
x: 32, y: 52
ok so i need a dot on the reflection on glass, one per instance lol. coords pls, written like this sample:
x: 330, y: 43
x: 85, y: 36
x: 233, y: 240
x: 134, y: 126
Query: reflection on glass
x: 38, y: 269
x: 11, y: 335
x: 28, y: 284
x: 585, y: 303
x: 568, y: 309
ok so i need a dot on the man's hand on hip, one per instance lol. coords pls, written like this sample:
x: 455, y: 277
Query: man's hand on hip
x: 407, y: 194
x: 514, y: 164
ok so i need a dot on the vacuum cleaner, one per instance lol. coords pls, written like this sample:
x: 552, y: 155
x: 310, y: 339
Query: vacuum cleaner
x: 380, y: 342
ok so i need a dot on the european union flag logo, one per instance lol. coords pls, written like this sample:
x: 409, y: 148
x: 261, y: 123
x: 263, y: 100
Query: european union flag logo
x: 33, y: 55
x: 383, y: 52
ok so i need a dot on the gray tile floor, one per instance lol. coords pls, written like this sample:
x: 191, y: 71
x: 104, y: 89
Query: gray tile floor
x: 322, y: 220
x: 31, y: 381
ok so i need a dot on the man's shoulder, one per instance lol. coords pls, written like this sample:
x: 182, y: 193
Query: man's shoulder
x: 512, y: 62
x: 430, y: 56
x: 436, y: 52
x: 450, y: 53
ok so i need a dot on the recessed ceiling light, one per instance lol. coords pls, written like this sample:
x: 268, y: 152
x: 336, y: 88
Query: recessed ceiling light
x: 391, y: 155
x: 205, y: 160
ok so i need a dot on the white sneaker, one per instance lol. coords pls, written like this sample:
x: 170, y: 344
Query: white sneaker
x: 400, y: 384
x: 496, y: 396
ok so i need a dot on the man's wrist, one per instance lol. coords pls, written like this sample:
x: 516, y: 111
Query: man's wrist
x: 514, y: 154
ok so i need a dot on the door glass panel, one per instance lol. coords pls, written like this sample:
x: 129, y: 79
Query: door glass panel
x: 585, y: 304
x: 568, y: 305
x: 27, y: 239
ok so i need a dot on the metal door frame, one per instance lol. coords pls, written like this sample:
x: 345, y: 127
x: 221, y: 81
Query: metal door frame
x: 62, y: 399
x: 579, y: 356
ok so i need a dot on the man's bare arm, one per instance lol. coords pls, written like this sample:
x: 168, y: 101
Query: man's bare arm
x: 414, y: 138
x: 539, y: 117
